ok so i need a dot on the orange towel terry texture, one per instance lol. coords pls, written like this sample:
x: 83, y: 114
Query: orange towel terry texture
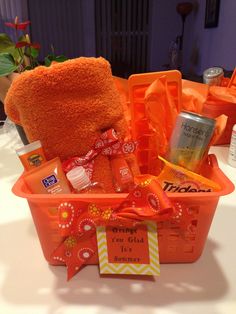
x: 67, y: 106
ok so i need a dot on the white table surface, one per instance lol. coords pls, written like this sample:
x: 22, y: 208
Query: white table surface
x: 30, y: 286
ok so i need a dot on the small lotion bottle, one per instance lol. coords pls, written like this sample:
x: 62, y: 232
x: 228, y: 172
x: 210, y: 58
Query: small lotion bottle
x: 49, y: 178
x: 81, y: 182
x: 232, y: 149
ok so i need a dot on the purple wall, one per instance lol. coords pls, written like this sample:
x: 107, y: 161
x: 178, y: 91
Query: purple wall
x: 59, y: 25
x: 206, y: 47
x: 165, y: 26
x: 203, y: 48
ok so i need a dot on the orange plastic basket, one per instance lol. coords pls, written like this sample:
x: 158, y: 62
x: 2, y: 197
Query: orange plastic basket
x: 175, y: 245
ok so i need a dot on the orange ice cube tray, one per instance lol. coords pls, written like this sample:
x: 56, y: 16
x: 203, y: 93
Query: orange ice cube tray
x: 138, y: 84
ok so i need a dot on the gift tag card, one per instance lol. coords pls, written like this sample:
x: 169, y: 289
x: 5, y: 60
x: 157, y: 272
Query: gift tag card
x: 128, y: 250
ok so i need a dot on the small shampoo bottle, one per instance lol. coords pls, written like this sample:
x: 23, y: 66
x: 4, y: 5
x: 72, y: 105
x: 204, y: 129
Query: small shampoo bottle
x: 81, y: 182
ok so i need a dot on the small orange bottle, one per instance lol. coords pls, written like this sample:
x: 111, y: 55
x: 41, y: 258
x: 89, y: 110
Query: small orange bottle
x: 122, y: 177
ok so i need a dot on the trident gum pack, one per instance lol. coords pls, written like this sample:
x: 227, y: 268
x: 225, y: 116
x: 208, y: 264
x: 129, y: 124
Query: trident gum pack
x: 175, y: 178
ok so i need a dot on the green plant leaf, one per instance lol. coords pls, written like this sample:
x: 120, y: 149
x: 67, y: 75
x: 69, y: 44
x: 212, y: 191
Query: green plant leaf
x: 22, y: 38
x: 60, y: 58
x: 47, y: 61
x: 8, y: 46
x: 34, y: 52
x: 5, y: 42
x: 28, y: 67
x: 50, y: 57
x: 7, y: 64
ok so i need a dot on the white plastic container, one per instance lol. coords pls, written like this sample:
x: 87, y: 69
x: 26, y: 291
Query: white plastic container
x: 81, y: 181
x: 232, y: 148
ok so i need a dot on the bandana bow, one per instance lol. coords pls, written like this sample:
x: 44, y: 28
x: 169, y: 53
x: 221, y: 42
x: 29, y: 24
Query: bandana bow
x: 107, y: 144
x: 147, y: 201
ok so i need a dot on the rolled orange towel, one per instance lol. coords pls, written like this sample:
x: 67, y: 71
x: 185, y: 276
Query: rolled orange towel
x: 67, y: 106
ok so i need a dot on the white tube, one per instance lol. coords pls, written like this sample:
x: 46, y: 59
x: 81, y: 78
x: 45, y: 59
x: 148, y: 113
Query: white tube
x: 232, y: 149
